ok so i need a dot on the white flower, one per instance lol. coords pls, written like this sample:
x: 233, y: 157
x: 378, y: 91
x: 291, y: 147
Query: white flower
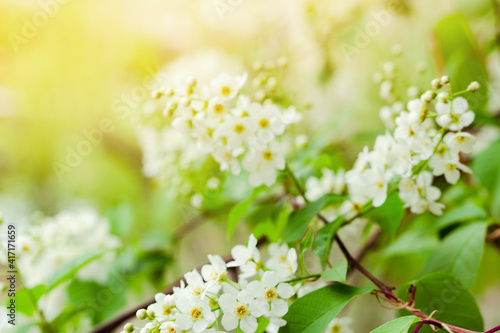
x: 242, y: 106
x: 408, y: 124
x: 242, y: 254
x: 236, y: 130
x: 267, y: 121
x: 461, y: 141
x: 195, y: 314
x: 328, y: 183
x: 4, y: 320
x: 454, y: 115
x: 227, y: 158
x: 339, y: 325
x: 290, y: 116
x: 150, y: 327
x: 351, y: 208
x: 271, y: 293
x: 240, y: 310
x: 423, y: 144
x: 196, y: 286
x: 449, y: 166
x: 370, y: 184
x: 282, y: 259
x: 386, y: 90
x: 418, y: 110
x: 170, y: 327
x: 376, y: 186
x: 408, y: 190
x: 428, y: 195
x: 387, y: 115
x: 164, y: 306
x: 262, y: 164
x: 217, y: 108
x: 226, y: 86
x: 215, y: 273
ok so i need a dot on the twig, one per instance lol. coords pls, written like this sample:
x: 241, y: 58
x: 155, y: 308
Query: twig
x: 418, y: 328
x: 115, y: 322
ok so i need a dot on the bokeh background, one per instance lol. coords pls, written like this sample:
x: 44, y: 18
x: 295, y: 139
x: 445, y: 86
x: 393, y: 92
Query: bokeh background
x: 67, y: 66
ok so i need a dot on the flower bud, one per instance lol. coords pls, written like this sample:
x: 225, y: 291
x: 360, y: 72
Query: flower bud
x: 428, y: 96
x: 445, y: 79
x: 444, y: 97
x: 269, y: 65
x: 388, y: 67
x: 421, y: 67
x: 436, y: 84
x: 157, y: 94
x: 184, y: 101
x: 141, y: 314
x: 191, y: 81
x: 282, y: 62
x: 397, y: 50
x: 257, y: 66
x: 473, y: 87
x: 260, y: 95
x: 129, y: 328
x: 150, y: 313
x: 377, y: 77
x: 169, y: 92
x: 256, y: 82
x: 412, y: 91
x: 271, y: 83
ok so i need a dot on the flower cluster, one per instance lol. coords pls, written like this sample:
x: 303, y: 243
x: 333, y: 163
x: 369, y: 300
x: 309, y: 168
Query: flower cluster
x: 48, y: 242
x: 208, y: 299
x: 236, y: 131
x: 426, y: 142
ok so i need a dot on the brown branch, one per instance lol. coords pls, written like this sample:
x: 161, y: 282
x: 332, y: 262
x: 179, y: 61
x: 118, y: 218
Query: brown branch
x: 117, y: 321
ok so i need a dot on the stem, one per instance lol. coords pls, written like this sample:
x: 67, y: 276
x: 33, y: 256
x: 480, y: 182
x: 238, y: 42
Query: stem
x: 418, y: 328
x: 296, y: 182
x: 494, y: 329
x: 307, y: 277
x: 386, y: 290
x: 44, y: 323
x: 383, y: 288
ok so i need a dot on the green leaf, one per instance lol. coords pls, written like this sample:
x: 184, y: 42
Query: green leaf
x: 411, y: 242
x: 121, y: 218
x: 263, y: 322
x: 299, y: 219
x: 486, y: 168
x: 399, y: 325
x: 306, y: 242
x: 24, y: 299
x: 459, y: 254
x: 98, y: 301
x: 336, y: 273
x: 238, y: 211
x: 324, y: 239
x: 389, y: 215
x: 313, y: 312
x: 466, y: 212
x: 69, y: 268
x: 446, y: 294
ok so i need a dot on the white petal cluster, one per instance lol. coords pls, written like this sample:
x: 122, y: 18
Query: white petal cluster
x: 220, y: 121
x: 47, y: 243
x: 426, y: 142
x: 205, y: 302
